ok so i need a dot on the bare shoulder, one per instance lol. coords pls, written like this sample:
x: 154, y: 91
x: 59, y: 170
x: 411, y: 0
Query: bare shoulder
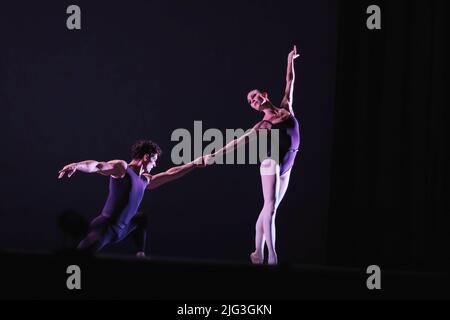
x: 119, y: 162
x: 119, y: 168
x: 282, y: 116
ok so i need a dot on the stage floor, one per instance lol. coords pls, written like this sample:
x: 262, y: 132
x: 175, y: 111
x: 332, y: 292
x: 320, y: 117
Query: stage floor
x: 45, y: 276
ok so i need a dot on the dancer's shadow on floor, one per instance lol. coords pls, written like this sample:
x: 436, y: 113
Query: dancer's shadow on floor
x: 73, y: 227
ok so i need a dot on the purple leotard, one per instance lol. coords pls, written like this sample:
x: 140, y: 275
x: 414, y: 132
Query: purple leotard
x: 289, y: 142
x: 118, y: 217
x: 125, y: 196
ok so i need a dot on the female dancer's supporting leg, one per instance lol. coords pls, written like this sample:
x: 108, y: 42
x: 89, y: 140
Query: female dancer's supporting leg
x: 265, y: 231
x: 257, y: 257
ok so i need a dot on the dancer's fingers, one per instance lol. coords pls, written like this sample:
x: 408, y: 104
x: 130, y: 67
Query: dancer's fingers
x: 61, y: 174
x: 66, y: 168
x: 63, y: 169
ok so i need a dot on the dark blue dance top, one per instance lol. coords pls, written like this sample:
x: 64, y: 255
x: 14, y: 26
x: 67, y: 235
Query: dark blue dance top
x: 125, y: 196
x: 289, y: 142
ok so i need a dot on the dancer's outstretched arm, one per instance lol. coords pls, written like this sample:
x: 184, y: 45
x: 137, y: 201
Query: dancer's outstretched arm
x: 173, y: 173
x: 286, y: 103
x: 115, y: 168
x: 234, y: 144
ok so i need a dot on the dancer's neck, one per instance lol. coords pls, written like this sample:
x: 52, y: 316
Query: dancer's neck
x: 137, y: 166
x: 270, y: 110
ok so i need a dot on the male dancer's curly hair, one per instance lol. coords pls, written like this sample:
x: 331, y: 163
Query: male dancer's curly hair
x: 142, y: 147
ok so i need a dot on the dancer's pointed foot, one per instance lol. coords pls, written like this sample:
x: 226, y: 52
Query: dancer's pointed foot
x: 273, y: 260
x: 256, y: 258
x: 140, y: 254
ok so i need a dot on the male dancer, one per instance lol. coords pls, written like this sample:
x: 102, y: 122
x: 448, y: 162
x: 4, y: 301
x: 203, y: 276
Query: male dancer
x: 127, y: 184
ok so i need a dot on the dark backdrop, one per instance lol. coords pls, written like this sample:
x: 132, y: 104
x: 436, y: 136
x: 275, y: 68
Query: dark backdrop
x: 390, y: 169
x: 140, y: 69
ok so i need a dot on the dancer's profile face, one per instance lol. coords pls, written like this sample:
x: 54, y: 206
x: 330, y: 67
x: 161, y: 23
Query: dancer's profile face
x: 256, y: 99
x: 151, y: 162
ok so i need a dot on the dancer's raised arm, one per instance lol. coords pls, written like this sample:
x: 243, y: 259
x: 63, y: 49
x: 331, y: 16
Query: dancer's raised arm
x: 286, y: 103
x: 114, y: 168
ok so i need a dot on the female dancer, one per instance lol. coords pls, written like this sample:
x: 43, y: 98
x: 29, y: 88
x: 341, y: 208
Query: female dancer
x: 274, y: 176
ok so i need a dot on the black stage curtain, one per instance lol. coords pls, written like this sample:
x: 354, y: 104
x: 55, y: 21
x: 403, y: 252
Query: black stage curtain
x: 389, y: 200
